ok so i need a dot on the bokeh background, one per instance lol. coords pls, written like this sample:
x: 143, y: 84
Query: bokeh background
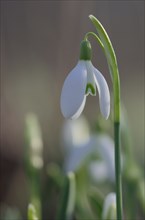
x: 39, y: 46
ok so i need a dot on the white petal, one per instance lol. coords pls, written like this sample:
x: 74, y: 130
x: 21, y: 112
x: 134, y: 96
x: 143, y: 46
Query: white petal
x: 109, y: 207
x: 101, y: 145
x: 90, y: 78
x: 105, y: 148
x: 98, y: 171
x: 73, y: 92
x: 77, y: 156
x: 74, y: 133
x: 79, y: 111
x: 104, y: 94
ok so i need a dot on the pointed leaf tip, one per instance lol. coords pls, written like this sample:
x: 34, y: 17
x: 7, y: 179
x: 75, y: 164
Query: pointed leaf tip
x: 90, y: 16
x: 93, y: 18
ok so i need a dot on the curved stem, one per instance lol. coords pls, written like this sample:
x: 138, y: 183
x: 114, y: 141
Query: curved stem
x: 96, y: 37
x: 114, y: 72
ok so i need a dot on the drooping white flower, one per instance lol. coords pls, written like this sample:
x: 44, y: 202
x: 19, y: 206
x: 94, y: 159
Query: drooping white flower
x: 101, y: 145
x: 82, y: 81
x: 105, y: 148
x: 78, y: 144
x: 99, y: 171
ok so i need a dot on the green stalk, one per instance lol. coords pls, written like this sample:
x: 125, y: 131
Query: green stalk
x: 118, y: 170
x: 95, y: 36
x: 106, y: 45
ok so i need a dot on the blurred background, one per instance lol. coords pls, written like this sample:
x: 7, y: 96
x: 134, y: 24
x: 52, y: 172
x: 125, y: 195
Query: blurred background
x: 39, y: 46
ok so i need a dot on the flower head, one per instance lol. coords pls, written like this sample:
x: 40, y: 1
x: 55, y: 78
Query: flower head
x: 81, y: 82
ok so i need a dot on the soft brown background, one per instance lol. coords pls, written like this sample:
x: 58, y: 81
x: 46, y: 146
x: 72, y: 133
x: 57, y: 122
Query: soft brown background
x: 39, y: 46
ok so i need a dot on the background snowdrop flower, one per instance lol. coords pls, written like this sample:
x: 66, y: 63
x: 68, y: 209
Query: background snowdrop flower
x: 75, y: 133
x: 101, y: 145
x: 76, y: 156
x: 99, y: 171
x: 109, y: 207
x: 104, y: 169
x: 78, y: 145
x: 82, y: 81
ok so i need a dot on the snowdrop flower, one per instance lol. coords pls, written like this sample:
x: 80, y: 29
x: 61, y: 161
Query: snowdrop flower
x: 81, y: 82
x: 78, y: 144
x: 74, y: 134
x: 105, y: 169
x: 109, y: 207
x: 101, y: 145
x: 99, y: 171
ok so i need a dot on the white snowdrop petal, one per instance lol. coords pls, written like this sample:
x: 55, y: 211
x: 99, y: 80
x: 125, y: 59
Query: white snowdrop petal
x: 109, y: 207
x: 101, y: 145
x: 74, y: 133
x: 79, y: 111
x: 90, y: 78
x: 104, y: 94
x: 73, y: 92
x: 98, y: 171
x: 77, y: 156
x: 105, y: 148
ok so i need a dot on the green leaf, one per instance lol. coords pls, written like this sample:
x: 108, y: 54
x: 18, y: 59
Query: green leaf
x: 55, y: 174
x: 32, y: 212
x: 67, y: 202
x: 141, y: 193
x: 96, y: 200
x: 33, y: 157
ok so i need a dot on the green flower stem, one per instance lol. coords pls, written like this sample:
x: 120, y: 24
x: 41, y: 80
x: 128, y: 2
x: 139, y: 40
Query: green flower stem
x: 118, y: 170
x: 107, y: 47
x: 96, y: 37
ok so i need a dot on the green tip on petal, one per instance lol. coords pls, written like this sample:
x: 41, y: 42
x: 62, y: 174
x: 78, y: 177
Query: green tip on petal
x: 85, y: 50
x: 90, y: 89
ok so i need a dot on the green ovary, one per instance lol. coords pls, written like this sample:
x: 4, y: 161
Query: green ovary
x: 90, y: 89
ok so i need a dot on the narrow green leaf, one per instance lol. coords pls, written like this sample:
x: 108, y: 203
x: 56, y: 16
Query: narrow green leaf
x: 33, y: 161
x: 32, y: 212
x: 34, y: 144
x: 55, y: 174
x: 141, y: 193
x: 96, y: 201
x: 67, y: 202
